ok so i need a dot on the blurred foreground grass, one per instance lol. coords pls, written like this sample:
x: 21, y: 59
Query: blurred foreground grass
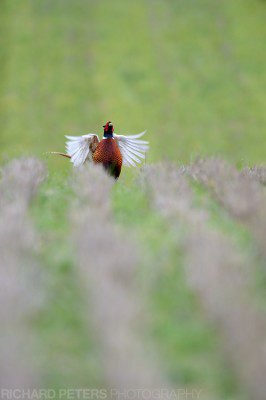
x: 193, y: 74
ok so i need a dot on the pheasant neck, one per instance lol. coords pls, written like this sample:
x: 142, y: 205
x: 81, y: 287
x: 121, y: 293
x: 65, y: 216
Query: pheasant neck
x: 108, y: 134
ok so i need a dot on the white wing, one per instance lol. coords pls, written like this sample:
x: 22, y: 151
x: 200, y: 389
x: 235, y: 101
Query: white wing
x: 79, y: 148
x: 132, y: 149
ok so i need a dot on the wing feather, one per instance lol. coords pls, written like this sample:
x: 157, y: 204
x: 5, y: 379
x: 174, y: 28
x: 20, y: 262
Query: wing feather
x: 78, y: 147
x: 137, y: 150
x: 137, y: 141
x: 127, y: 160
x: 137, y: 153
x: 132, y: 149
x: 131, y: 154
x: 136, y: 136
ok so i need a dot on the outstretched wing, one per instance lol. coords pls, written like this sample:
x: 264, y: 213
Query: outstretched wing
x: 81, y: 148
x: 132, y: 149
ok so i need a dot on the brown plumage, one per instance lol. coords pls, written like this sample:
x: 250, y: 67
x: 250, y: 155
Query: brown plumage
x: 108, y: 154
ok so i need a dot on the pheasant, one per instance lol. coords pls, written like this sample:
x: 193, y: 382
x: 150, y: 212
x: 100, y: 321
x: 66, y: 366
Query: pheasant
x: 112, y: 151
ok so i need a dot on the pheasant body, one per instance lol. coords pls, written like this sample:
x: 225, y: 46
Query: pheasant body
x: 108, y: 154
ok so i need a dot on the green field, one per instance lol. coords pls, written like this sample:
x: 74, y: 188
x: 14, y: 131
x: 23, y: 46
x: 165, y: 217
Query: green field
x: 193, y: 73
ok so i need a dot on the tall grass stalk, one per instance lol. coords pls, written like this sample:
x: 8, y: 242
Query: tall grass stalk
x: 19, y: 273
x: 107, y: 260
x: 258, y: 172
x: 216, y: 271
x: 238, y: 192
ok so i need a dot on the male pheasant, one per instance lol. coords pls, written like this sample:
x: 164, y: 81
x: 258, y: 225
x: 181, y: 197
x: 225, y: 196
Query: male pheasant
x: 112, y: 151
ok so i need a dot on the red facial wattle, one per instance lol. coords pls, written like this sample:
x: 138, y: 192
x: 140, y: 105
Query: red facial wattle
x: 107, y: 126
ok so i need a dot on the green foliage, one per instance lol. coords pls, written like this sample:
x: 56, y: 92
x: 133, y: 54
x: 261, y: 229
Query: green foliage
x: 192, y: 73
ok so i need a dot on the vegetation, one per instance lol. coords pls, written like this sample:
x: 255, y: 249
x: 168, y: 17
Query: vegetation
x: 193, y: 74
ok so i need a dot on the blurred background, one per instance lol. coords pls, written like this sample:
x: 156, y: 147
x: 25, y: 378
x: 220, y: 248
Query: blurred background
x: 193, y: 73
x: 190, y: 72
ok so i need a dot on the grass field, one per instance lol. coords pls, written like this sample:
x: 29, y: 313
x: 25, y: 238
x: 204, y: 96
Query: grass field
x: 193, y: 73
